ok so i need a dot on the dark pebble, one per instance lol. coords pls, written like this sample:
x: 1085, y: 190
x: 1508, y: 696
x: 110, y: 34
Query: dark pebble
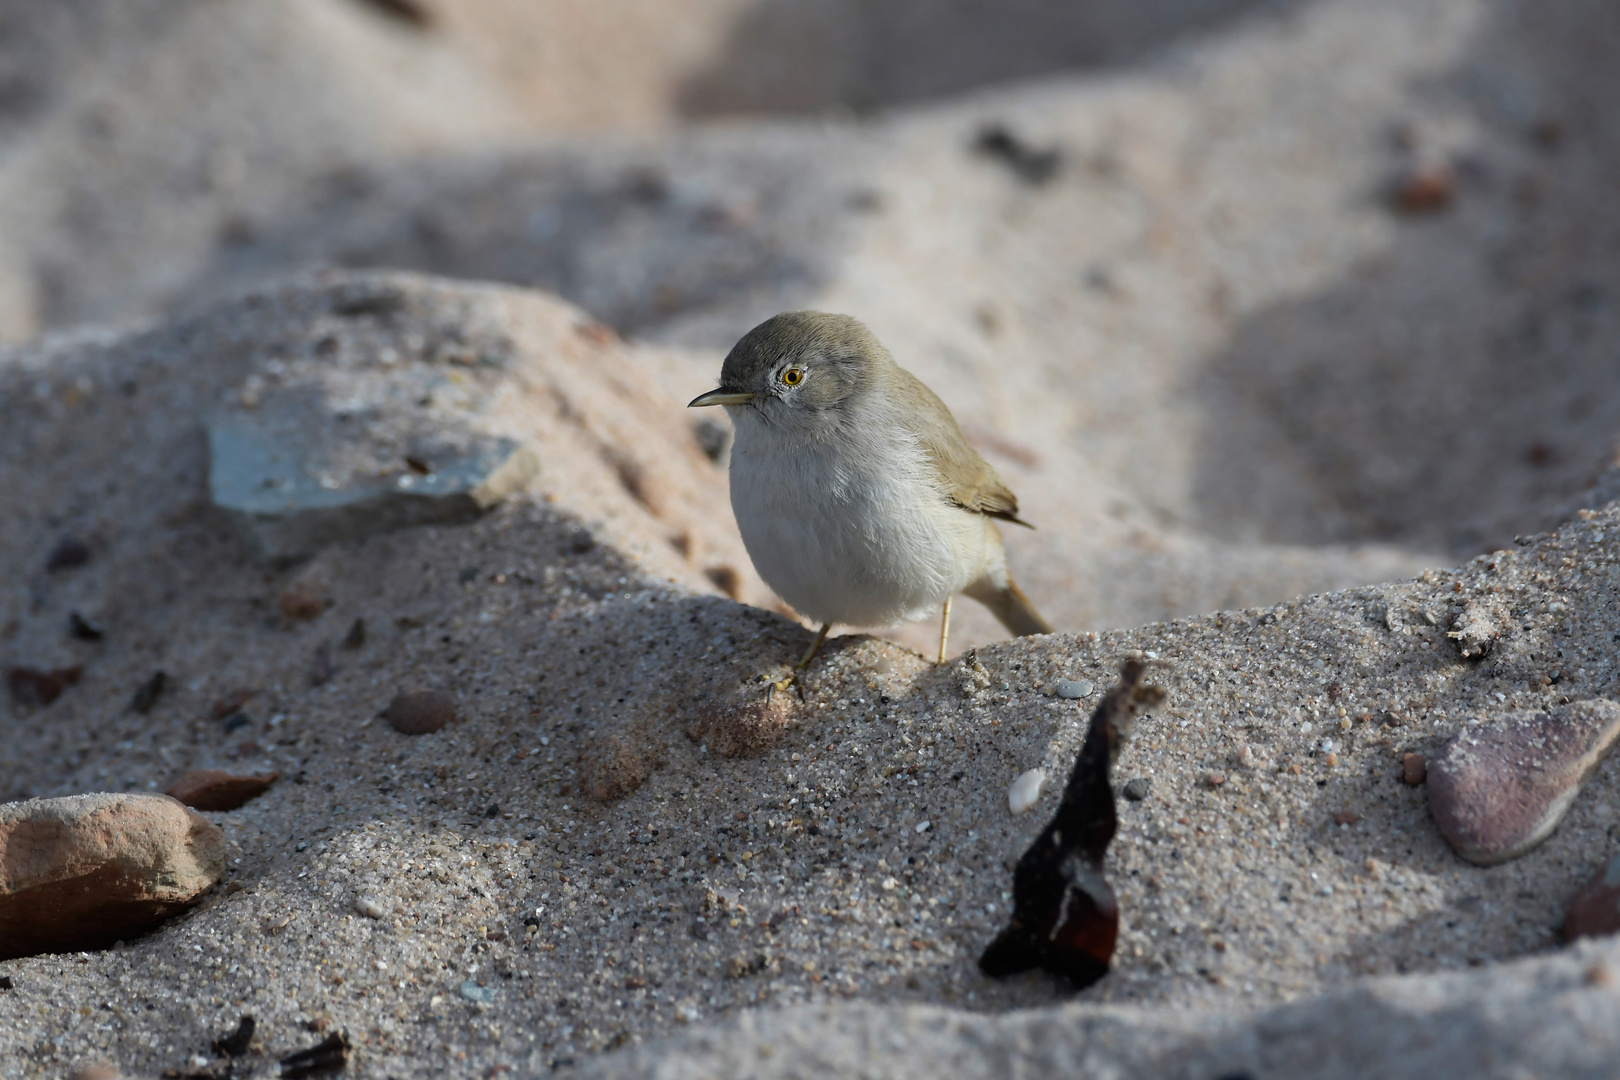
x: 321, y: 668
x: 420, y: 712
x: 236, y: 1043
x: 581, y: 542
x: 1595, y: 910
x: 69, y: 552
x: 33, y: 687
x: 1136, y: 790
x: 82, y: 628
x: 236, y: 720
x: 356, y: 636
x: 148, y: 693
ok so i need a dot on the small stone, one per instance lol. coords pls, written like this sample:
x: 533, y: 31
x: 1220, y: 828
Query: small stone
x: 83, y: 871
x: 95, y: 1072
x: 369, y: 907
x: 924, y: 826
x: 1346, y: 817
x: 301, y: 601
x: 1136, y: 790
x: 1599, y: 975
x: 1025, y: 791
x: 420, y: 712
x: 1498, y: 792
x: 473, y: 992
x: 1215, y: 779
x: 1426, y: 189
x: 147, y: 694
x: 1072, y: 689
x: 82, y: 628
x: 356, y: 636
x: 1414, y: 769
x: 68, y: 553
x: 1595, y: 910
x: 33, y: 688
x: 211, y: 789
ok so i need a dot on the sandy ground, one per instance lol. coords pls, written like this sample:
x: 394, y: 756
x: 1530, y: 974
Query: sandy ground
x: 679, y: 863
x: 1219, y: 367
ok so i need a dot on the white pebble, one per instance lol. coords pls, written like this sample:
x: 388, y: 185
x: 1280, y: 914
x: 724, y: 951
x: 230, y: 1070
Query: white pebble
x: 369, y: 907
x: 1305, y: 728
x: 922, y: 826
x: 1026, y: 790
x: 1327, y: 746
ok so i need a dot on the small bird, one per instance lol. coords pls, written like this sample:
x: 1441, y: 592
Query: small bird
x: 858, y: 497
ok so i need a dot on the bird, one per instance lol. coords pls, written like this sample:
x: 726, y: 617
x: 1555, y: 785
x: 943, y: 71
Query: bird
x: 859, y: 499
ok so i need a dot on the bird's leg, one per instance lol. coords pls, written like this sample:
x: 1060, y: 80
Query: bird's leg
x: 804, y: 661
x: 944, y: 629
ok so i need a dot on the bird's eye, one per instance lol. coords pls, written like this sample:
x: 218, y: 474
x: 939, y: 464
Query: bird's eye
x: 793, y: 376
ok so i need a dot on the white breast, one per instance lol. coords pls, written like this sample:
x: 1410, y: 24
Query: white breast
x: 843, y: 539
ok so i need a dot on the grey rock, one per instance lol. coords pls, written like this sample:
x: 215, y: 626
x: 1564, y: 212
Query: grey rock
x: 291, y: 494
x: 1497, y: 792
x: 473, y: 992
x: 1136, y: 790
x: 1074, y: 688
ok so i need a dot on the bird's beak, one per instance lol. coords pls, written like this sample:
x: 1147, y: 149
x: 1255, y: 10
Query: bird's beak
x: 721, y: 396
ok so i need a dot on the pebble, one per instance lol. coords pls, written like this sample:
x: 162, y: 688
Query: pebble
x: 420, y: 712
x: 369, y: 907
x: 1414, y: 769
x: 84, y: 871
x: 1595, y: 910
x: 33, y: 688
x: 473, y: 992
x: 1215, y: 779
x: 1496, y: 792
x: 146, y: 695
x: 1425, y: 189
x: 69, y: 552
x: 212, y: 789
x: 1074, y: 688
x: 301, y: 601
x: 1136, y: 790
x: 1025, y: 791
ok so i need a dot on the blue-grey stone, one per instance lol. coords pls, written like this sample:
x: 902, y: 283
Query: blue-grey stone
x: 473, y: 992
x: 1074, y: 688
x: 292, y: 492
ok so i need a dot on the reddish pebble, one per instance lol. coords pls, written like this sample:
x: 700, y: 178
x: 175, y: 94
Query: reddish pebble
x: 1414, y: 768
x: 420, y: 712
x: 300, y: 601
x: 1425, y: 190
x: 211, y: 789
x: 32, y: 687
x: 1346, y: 817
x: 1215, y: 779
x: 1595, y: 910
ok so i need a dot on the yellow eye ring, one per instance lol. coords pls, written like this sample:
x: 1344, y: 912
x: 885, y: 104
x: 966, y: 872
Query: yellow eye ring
x: 793, y: 376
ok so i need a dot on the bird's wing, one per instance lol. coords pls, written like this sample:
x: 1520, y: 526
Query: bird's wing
x: 968, y: 479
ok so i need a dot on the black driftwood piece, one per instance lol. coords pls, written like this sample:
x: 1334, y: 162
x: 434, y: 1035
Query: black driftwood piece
x: 1065, y: 918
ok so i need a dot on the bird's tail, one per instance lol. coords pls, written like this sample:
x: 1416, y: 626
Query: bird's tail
x: 1009, y: 604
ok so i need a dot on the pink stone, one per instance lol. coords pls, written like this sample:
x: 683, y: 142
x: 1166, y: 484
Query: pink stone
x: 1496, y: 792
x: 84, y: 871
